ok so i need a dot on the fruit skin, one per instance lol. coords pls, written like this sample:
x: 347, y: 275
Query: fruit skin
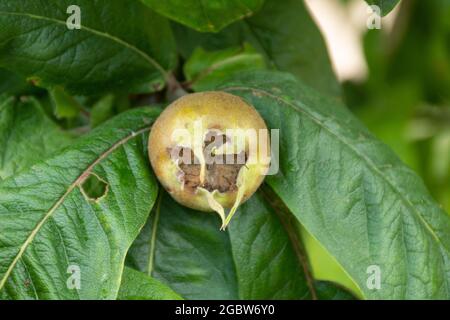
x: 215, y: 110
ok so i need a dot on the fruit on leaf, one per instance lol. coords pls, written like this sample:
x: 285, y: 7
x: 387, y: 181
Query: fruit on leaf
x: 210, y: 151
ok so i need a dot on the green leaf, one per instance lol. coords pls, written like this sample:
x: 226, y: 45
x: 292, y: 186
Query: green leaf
x: 330, y: 291
x: 148, y: 87
x: 108, y: 106
x: 189, y: 40
x: 206, y: 68
x: 49, y: 226
x: 385, y: 5
x: 27, y: 135
x: 284, y: 32
x: 64, y: 104
x: 324, y: 266
x: 102, y: 110
x: 205, y: 16
x: 121, y: 44
x: 186, y: 250
x: 138, y: 286
x: 351, y: 192
x: 11, y: 83
x: 269, y: 265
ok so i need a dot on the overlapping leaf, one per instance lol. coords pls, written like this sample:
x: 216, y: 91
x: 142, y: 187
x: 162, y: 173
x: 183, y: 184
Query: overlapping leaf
x: 57, y: 242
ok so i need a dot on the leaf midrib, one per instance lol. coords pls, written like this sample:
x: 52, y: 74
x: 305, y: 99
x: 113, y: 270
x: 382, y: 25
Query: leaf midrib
x: 71, y: 187
x: 102, y: 34
x: 370, y: 164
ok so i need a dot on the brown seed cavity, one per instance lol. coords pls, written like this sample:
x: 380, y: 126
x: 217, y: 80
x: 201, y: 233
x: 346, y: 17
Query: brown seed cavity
x: 221, y: 170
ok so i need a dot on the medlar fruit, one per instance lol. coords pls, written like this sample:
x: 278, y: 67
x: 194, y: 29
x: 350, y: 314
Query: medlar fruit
x: 210, y: 151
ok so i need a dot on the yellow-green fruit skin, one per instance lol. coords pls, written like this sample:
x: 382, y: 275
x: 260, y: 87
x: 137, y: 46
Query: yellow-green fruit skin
x: 215, y: 110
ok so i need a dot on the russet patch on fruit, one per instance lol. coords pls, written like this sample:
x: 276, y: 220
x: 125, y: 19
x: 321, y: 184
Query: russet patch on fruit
x: 210, y: 151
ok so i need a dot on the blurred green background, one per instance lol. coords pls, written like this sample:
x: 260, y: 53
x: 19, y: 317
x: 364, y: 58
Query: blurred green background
x: 405, y: 99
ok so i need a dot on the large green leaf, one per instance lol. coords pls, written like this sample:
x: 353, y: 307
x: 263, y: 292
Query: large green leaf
x: 284, y: 32
x: 252, y: 260
x: 385, y: 5
x: 11, y: 83
x: 50, y: 224
x: 27, y: 135
x: 351, y: 192
x: 138, y: 286
x: 121, y: 43
x: 205, y: 16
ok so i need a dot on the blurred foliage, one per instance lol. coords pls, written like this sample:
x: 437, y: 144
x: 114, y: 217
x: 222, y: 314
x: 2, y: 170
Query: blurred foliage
x: 405, y: 100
